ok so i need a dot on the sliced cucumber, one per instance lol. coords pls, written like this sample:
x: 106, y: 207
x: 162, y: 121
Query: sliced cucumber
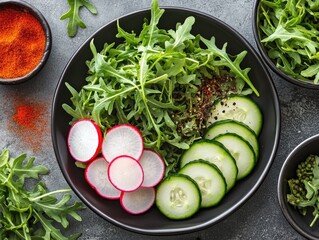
x: 178, y: 197
x: 215, y: 153
x: 233, y: 126
x: 210, y: 180
x: 240, y: 108
x: 241, y: 151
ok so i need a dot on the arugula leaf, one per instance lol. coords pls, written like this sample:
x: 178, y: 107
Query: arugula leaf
x: 73, y: 15
x: 155, y: 80
x: 181, y: 35
x: 234, y: 66
x: 31, y: 214
x: 27, y: 170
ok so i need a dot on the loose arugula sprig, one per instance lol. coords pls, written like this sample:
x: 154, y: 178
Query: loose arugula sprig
x: 31, y: 214
x: 73, y: 15
x: 289, y: 32
x: 153, y: 79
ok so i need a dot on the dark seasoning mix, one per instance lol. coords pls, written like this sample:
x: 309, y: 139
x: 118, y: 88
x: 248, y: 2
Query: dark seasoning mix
x: 208, y: 91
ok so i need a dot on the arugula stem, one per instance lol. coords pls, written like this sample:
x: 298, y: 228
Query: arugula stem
x: 5, y: 180
x: 48, y: 194
x: 157, y: 79
x: 314, y: 220
x: 3, y: 211
x: 24, y: 225
x: 22, y: 219
x: 158, y: 131
x: 89, y: 95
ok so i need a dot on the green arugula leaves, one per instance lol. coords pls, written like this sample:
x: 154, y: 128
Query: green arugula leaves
x: 73, y: 15
x: 26, y: 214
x: 289, y: 32
x: 154, y: 80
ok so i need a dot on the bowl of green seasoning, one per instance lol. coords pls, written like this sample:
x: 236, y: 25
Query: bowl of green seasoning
x: 27, y: 43
x: 298, y: 186
x: 287, y: 37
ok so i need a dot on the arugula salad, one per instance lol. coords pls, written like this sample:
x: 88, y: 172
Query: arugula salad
x: 162, y: 81
x: 289, y: 32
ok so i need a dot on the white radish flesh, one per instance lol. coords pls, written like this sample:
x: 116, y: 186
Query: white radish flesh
x: 122, y: 139
x: 125, y: 173
x: 96, y: 175
x: 153, y: 167
x: 84, y: 140
x: 139, y: 201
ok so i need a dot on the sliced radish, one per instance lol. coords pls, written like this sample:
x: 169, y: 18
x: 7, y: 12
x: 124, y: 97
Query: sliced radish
x: 139, y: 201
x: 84, y: 140
x: 125, y: 173
x: 153, y: 167
x: 122, y: 139
x: 96, y: 175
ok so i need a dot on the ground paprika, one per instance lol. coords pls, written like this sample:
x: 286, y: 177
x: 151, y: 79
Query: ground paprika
x: 22, y: 43
x: 28, y: 120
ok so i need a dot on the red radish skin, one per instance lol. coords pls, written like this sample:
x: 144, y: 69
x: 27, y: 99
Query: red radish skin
x: 153, y: 167
x: 139, y: 201
x: 125, y: 173
x: 96, y: 176
x: 84, y: 140
x: 122, y: 139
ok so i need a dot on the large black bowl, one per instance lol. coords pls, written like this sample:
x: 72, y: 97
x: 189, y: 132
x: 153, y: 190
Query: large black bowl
x: 153, y: 222
x: 299, y: 222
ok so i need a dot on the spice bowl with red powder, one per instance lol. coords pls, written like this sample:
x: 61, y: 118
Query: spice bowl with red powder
x: 25, y: 41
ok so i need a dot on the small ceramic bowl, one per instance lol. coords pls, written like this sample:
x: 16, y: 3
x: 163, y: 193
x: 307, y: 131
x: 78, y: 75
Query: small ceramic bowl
x: 26, y: 7
x: 299, y: 222
x: 264, y: 52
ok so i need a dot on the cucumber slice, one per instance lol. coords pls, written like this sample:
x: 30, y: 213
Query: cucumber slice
x: 215, y: 153
x: 233, y: 126
x: 239, y: 108
x: 210, y: 180
x: 178, y: 197
x: 241, y: 151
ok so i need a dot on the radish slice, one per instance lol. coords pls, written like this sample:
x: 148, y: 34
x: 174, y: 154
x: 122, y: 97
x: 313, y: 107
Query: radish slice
x: 122, y: 139
x: 84, y: 140
x: 96, y: 176
x: 125, y: 173
x: 153, y: 167
x: 139, y: 201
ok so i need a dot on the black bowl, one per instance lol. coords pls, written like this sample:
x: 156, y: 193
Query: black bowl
x: 299, y: 222
x: 26, y: 7
x: 153, y: 222
x: 268, y: 60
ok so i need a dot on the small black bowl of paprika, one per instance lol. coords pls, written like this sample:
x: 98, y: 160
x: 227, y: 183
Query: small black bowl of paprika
x: 25, y: 41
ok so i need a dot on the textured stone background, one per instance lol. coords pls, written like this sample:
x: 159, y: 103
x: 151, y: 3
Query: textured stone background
x: 259, y: 218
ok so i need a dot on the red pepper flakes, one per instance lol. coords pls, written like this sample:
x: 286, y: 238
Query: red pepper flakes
x: 30, y: 123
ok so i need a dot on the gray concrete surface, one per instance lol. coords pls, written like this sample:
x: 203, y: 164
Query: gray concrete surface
x: 259, y: 218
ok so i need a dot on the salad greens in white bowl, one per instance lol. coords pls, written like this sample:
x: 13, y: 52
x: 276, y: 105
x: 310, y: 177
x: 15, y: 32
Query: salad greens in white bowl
x: 166, y: 74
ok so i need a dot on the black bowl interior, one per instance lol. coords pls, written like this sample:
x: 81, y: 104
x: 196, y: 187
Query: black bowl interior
x: 24, y: 6
x: 264, y: 54
x: 153, y: 222
x: 298, y: 222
